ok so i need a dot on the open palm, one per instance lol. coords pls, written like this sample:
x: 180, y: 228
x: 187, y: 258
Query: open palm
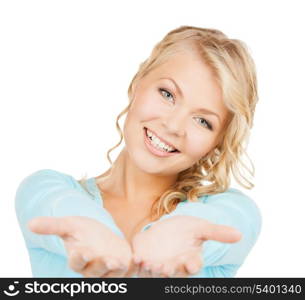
x: 93, y: 249
x: 173, y: 247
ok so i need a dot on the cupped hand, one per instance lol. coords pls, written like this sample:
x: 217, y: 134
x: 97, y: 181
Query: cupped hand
x: 93, y: 249
x: 173, y: 247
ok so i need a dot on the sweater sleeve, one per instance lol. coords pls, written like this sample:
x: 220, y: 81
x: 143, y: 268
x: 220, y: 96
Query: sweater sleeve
x: 232, y: 208
x: 50, y: 193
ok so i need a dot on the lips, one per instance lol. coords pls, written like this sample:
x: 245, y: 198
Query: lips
x: 155, y: 150
x: 162, y: 140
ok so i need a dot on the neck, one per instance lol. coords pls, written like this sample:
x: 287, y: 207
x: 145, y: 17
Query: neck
x: 130, y: 184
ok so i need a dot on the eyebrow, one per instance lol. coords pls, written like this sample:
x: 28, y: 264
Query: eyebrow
x: 203, y: 110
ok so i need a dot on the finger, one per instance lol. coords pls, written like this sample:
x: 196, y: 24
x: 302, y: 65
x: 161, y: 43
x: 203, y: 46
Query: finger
x: 152, y: 270
x: 168, y: 269
x: 156, y: 270
x: 137, y: 263
x: 136, y: 259
x: 193, y: 264
x: 146, y: 273
x: 181, y: 273
x: 216, y: 232
x: 137, y: 270
x: 176, y: 266
x: 78, y: 259
x: 140, y: 271
x: 179, y: 270
x: 179, y: 267
x: 144, y: 270
x: 132, y: 270
x: 116, y: 273
x: 98, y: 267
x: 50, y: 225
x: 116, y: 270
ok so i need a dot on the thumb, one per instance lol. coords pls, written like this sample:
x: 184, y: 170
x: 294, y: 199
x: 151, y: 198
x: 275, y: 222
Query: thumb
x: 50, y: 225
x: 220, y: 233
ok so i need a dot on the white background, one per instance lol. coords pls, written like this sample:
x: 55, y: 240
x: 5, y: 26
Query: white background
x: 65, y: 67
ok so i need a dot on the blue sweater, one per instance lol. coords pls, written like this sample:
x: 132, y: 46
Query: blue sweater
x: 51, y: 193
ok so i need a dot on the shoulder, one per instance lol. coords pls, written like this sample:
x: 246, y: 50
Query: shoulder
x: 231, y: 196
x: 45, y: 178
x: 47, y: 175
x: 231, y: 200
x: 238, y: 202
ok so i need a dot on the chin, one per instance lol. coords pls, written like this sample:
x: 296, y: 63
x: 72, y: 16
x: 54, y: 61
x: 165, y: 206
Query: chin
x: 147, y: 164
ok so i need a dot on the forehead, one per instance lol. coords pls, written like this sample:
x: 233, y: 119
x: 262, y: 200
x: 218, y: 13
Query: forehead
x: 189, y: 69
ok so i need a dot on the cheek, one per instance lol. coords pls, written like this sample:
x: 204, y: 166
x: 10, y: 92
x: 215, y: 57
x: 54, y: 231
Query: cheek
x: 148, y: 106
x: 198, y: 144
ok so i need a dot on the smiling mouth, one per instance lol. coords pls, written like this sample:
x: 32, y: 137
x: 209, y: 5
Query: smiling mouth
x: 173, y: 151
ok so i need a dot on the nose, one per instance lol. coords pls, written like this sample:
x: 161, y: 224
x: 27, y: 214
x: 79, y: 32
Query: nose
x: 175, y: 123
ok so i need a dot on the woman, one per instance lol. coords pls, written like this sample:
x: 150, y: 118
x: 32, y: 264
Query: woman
x: 164, y: 208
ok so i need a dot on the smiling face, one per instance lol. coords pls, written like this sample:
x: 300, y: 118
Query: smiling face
x: 181, y: 104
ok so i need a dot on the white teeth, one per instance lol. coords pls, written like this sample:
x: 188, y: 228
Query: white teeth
x: 156, y: 142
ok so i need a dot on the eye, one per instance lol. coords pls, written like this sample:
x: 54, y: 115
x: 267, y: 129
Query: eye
x: 204, y: 121
x: 166, y: 93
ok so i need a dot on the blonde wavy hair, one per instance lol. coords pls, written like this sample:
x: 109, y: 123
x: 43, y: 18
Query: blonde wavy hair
x: 234, y: 70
